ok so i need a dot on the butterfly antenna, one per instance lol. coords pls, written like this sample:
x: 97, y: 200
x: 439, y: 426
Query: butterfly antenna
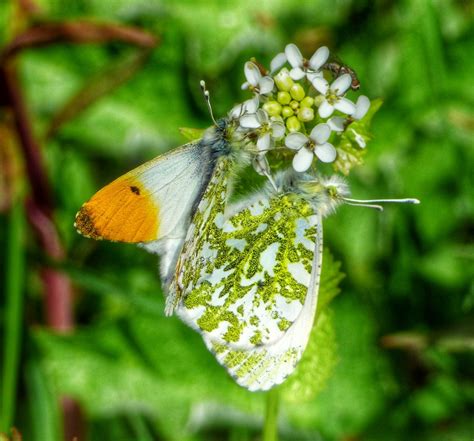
x: 376, y: 207
x: 207, y: 98
x: 383, y: 201
x: 373, y: 203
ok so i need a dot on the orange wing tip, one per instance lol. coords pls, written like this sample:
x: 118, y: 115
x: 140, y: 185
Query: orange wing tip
x: 85, y: 225
x: 123, y: 211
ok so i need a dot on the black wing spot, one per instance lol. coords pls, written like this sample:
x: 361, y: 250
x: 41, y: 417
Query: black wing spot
x: 135, y: 190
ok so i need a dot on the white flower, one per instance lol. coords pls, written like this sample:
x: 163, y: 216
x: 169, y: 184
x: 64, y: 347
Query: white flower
x: 261, y: 85
x: 316, y: 144
x: 333, y: 96
x: 362, y: 106
x: 249, y: 106
x: 301, y: 66
x: 268, y: 129
x: 336, y: 123
x: 278, y: 61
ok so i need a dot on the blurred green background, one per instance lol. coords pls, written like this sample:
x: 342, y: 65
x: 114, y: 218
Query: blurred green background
x: 400, y: 365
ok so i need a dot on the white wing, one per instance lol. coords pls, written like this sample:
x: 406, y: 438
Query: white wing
x: 265, y: 366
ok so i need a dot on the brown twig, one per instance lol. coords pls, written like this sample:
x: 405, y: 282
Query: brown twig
x: 58, y: 295
x: 78, y: 31
x: 29, y: 7
x: 31, y: 149
x: 58, y: 291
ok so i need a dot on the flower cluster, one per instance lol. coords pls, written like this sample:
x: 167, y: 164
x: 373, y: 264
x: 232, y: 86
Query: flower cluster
x: 295, y: 107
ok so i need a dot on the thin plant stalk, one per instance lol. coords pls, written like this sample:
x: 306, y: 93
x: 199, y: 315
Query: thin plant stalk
x: 270, y: 427
x: 14, y: 276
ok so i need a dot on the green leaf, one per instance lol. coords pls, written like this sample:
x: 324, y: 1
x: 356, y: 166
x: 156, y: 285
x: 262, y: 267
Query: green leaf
x: 331, y: 276
x: 351, y: 147
x: 152, y: 363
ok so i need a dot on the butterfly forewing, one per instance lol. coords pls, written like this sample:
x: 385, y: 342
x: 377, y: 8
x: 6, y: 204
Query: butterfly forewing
x: 151, y: 205
x: 150, y: 202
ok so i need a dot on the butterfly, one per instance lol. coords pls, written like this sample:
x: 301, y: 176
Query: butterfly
x: 245, y: 276
x: 153, y: 204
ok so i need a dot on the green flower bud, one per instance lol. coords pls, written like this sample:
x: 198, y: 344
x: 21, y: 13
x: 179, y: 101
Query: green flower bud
x: 319, y: 100
x: 305, y: 114
x: 293, y: 124
x: 287, y: 111
x: 284, y: 97
x: 283, y: 80
x: 307, y: 101
x: 294, y: 105
x: 297, y: 92
x: 273, y: 108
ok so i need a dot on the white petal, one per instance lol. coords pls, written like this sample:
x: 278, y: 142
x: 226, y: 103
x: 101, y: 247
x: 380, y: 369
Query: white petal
x: 341, y: 84
x: 278, y: 129
x: 260, y: 164
x: 302, y: 160
x: 319, y: 58
x: 325, y: 152
x: 249, y: 121
x: 345, y: 106
x: 245, y: 85
x: 265, y: 85
x: 252, y: 73
x: 263, y: 143
x: 313, y: 75
x: 293, y: 55
x: 325, y: 109
x: 278, y: 61
x: 262, y: 116
x: 320, y: 133
x: 296, y: 73
x: 321, y: 85
x: 295, y: 140
x: 336, y: 123
x: 237, y: 111
x: 251, y: 105
x: 362, y: 107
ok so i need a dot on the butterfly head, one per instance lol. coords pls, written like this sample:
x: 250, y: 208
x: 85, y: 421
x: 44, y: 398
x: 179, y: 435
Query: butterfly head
x: 327, y: 193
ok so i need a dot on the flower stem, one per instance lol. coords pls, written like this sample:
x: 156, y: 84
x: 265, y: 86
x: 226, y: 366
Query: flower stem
x: 14, y: 275
x: 270, y: 428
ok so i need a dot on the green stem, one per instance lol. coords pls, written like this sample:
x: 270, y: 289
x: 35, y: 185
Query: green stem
x: 270, y: 428
x: 14, y: 272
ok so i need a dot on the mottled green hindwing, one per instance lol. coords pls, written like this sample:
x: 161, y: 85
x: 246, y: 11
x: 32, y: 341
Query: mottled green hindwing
x: 248, y: 282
